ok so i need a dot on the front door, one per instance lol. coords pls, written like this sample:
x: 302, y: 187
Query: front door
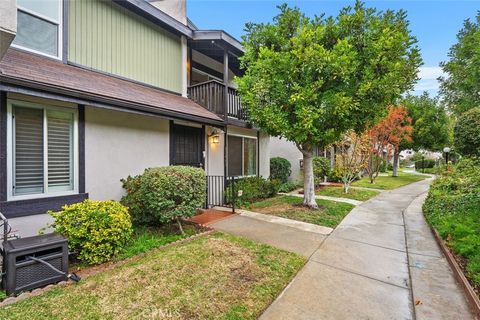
x: 186, y: 145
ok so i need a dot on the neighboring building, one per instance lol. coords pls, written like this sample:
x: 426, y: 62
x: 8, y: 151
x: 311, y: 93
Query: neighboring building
x: 92, y: 91
x: 280, y: 147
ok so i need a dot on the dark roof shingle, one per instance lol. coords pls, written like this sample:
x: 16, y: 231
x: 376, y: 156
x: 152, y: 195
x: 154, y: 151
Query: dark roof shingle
x: 29, y: 68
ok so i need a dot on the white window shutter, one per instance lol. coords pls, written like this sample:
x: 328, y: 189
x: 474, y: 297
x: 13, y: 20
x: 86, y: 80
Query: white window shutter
x: 60, y: 151
x: 28, y: 152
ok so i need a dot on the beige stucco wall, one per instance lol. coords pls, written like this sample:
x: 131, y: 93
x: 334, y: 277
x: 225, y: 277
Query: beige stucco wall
x: 215, y: 160
x: 8, y: 24
x: 118, y: 144
x: 288, y: 150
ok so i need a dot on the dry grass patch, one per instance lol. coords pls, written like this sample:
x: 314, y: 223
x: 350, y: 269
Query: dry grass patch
x: 213, y: 277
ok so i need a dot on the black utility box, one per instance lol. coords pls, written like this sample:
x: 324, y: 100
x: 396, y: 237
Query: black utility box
x: 22, y: 273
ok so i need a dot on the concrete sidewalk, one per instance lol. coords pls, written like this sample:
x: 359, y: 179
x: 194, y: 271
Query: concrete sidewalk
x: 381, y: 262
x: 273, y: 233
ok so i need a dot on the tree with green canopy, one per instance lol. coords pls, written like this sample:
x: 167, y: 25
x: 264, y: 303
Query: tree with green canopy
x: 467, y: 133
x: 432, y: 126
x: 310, y: 80
x: 461, y: 87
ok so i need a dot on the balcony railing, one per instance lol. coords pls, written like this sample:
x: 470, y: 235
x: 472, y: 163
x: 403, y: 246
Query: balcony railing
x: 211, y: 95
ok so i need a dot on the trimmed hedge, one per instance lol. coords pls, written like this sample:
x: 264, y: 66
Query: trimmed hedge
x: 161, y: 195
x: 96, y: 230
x: 252, y: 189
x: 427, y: 163
x: 287, y: 187
x: 453, y: 208
x: 280, y: 169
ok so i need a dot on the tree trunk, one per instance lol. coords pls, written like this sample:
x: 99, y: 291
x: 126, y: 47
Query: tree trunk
x: 396, y: 158
x: 308, y: 183
x: 346, y: 187
x: 180, y: 226
x: 370, y: 168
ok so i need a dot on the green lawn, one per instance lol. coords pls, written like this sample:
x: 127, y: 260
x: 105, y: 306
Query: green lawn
x: 329, y: 214
x: 389, y: 182
x: 212, y: 277
x: 144, y: 239
x: 355, y: 194
x: 453, y: 209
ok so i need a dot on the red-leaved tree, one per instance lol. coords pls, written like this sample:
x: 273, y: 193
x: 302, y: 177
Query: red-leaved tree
x: 385, y: 139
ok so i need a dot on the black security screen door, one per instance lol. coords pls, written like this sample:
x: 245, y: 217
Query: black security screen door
x: 186, y: 145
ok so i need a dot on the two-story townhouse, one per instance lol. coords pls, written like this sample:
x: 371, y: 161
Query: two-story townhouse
x: 92, y: 91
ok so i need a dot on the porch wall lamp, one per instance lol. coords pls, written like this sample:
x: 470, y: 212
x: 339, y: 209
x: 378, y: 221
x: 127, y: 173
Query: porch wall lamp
x: 216, y: 138
x: 215, y: 135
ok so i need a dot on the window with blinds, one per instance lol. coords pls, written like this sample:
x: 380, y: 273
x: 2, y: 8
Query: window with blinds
x: 29, y: 166
x: 59, y: 138
x: 42, y: 150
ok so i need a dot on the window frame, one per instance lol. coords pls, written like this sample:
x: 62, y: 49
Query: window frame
x: 11, y: 149
x: 243, y: 155
x: 59, y: 23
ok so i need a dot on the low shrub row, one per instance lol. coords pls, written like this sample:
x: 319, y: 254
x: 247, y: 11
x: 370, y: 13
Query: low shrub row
x: 251, y: 189
x: 98, y: 230
x: 452, y: 208
x: 426, y: 163
x: 287, y: 187
x: 280, y: 169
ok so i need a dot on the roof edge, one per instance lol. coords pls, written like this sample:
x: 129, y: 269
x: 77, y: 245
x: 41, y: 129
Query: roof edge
x: 155, y: 15
x: 50, y: 92
x: 219, y: 35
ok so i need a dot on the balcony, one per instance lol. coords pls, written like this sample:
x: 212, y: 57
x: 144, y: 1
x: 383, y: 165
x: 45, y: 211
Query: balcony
x: 211, y: 95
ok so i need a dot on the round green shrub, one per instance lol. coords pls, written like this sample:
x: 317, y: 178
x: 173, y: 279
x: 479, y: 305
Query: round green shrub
x: 467, y: 133
x: 280, y: 169
x: 321, y: 168
x: 96, y: 230
x: 161, y: 195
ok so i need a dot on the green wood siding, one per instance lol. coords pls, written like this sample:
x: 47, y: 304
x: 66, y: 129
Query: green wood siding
x: 107, y: 37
